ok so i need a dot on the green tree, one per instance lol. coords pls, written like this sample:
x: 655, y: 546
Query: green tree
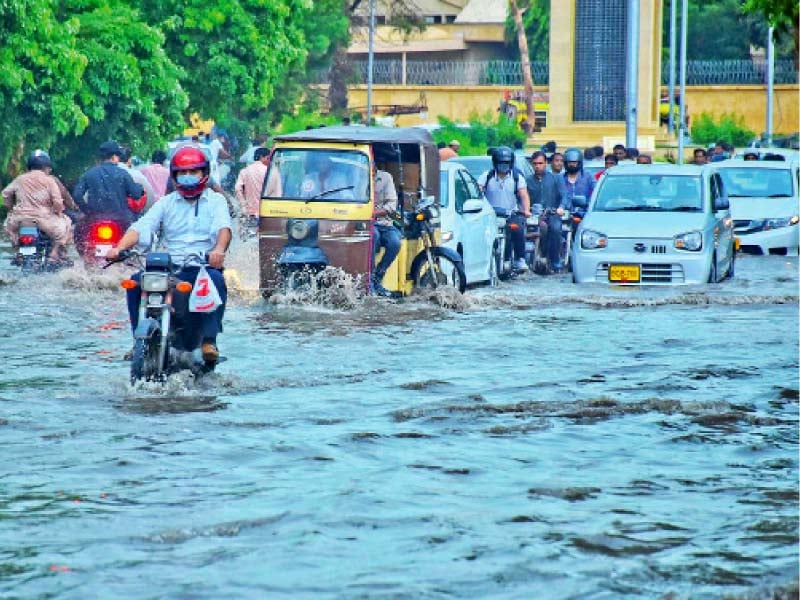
x: 40, y: 76
x: 234, y: 53
x: 130, y: 88
x: 781, y: 14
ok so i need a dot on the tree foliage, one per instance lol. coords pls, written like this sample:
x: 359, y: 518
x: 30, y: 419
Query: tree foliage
x: 536, y: 19
x: 784, y: 15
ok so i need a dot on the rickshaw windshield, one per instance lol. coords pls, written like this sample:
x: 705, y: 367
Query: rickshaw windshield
x: 318, y: 175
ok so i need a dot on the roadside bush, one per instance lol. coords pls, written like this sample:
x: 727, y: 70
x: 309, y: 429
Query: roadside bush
x: 481, y: 133
x: 304, y: 119
x: 730, y: 128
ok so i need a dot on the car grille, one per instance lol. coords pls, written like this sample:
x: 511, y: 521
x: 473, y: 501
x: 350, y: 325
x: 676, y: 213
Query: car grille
x: 650, y: 273
x: 747, y: 226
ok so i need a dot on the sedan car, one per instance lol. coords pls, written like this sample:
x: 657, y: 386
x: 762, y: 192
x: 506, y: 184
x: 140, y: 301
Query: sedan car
x: 660, y: 225
x: 468, y: 222
x: 765, y: 204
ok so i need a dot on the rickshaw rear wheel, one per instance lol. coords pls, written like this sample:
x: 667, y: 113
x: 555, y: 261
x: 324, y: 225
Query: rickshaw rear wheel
x: 446, y: 272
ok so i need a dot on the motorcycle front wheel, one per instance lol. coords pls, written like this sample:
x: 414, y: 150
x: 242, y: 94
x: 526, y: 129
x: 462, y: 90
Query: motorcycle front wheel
x: 445, y: 272
x: 145, y: 360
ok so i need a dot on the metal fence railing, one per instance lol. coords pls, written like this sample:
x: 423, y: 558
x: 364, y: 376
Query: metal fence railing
x: 508, y: 72
x: 732, y: 72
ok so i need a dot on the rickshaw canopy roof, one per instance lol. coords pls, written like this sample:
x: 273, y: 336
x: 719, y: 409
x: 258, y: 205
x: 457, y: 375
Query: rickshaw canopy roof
x: 358, y: 134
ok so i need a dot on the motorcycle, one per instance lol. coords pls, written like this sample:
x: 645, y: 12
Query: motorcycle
x: 507, y: 221
x: 164, y: 341
x: 541, y: 262
x: 33, y: 254
x: 434, y: 266
x: 94, y: 237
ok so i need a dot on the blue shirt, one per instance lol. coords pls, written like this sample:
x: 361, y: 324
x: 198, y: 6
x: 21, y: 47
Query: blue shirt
x: 583, y: 186
x: 501, y: 192
x: 185, y: 227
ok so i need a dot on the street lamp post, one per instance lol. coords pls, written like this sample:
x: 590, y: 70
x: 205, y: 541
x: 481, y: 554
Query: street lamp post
x: 370, y: 59
x: 682, y: 113
x: 632, y: 76
x: 770, y: 83
x: 673, y: 13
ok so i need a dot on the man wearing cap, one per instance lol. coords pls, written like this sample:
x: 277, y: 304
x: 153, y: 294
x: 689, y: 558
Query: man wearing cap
x: 34, y: 195
x: 103, y: 191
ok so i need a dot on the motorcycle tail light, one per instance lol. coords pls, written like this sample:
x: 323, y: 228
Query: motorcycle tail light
x: 27, y: 240
x: 184, y: 286
x: 106, y: 232
x: 129, y: 284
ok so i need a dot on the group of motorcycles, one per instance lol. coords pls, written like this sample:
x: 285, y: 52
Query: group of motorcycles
x: 536, y: 256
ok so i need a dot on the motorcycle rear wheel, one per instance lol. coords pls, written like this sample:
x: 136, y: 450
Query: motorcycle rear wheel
x: 445, y: 273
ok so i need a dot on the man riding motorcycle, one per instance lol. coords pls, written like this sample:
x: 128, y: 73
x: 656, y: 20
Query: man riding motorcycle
x: 35, y: 196
x: 192, y: 219
x: 507, y: 192
x: 548, y: 191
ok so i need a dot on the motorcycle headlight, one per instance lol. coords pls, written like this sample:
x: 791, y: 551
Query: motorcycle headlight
x: 447, y: 236
x: 591, y: 240
x: 778, y: 223
x: 298, y: 230
x: 155, y: 282
x: 692, y: 241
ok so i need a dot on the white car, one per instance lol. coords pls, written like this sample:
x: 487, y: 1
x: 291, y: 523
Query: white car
x: 765, y: 204
x: 656, y: 225
x: 468, y: 223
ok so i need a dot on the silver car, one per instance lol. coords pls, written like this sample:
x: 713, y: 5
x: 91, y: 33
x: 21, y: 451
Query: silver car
x: 656, y: 224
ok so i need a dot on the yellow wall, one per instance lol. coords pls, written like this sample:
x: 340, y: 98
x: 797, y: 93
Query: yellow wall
x: 457, y: 102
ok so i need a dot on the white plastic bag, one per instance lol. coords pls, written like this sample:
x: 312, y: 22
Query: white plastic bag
x: 205, y: 296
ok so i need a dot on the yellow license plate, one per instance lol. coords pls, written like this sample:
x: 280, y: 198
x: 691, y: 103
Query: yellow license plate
x: 624, y: 273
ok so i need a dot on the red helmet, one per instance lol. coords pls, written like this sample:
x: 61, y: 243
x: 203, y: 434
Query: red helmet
x: 189, y: 158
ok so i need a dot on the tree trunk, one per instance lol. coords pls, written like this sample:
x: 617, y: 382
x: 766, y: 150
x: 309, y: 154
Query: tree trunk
x: 339, y: 78
x: 527, y: 78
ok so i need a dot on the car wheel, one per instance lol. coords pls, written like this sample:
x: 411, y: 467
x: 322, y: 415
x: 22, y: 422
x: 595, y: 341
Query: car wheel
x: 712, y: 272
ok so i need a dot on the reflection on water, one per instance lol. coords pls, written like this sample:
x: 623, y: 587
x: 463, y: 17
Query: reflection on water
x: 538, y: 440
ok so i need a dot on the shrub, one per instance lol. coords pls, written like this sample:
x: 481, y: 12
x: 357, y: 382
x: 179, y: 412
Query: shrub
x: 731, y: 128
x: 481, y: 133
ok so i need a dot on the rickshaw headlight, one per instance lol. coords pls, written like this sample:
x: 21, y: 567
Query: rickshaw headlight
x: 299, y: 230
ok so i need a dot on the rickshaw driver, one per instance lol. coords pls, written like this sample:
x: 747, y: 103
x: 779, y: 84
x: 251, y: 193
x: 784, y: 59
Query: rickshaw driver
x: 322, y: 179
x: 384, y: 233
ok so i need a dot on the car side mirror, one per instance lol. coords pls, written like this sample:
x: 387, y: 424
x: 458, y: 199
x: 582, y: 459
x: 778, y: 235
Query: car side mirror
x: 721, y: 204
x: 579, y: 201
x: 472, y: 206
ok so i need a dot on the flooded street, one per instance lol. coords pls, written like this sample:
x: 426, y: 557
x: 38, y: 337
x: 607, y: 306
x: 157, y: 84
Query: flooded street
x: 540, y: 440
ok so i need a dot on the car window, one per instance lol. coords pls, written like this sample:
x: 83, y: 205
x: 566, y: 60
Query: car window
x: 642, y: 192
x: 757, y: 182
x: 444, y: 188
x: 473, y: 189
x: 461, y: 192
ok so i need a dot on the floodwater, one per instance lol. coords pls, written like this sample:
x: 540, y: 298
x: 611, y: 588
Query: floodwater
x: 540, y: 440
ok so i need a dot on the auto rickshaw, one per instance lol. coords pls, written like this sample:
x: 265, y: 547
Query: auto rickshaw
x: 303, y: 228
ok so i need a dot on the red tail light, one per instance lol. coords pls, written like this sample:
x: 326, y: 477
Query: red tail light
x: 27, y: 240
x: 105, y: 232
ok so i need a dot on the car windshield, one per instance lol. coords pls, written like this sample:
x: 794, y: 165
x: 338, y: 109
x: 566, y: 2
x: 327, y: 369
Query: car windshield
x: 657, y: 193
x: 757, y: 183
x: 476, y: 165
x: 320, y: 175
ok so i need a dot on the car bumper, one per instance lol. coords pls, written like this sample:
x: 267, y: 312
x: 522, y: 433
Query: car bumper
x: 671, y: 269
x: 783, y: 240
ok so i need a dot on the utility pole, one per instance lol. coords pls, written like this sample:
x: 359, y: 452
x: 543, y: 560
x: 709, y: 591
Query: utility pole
x: 632, y: 76
x: 770, y: 83
x: 370, y: 59
x: 682, y: 113
x: 673, y: 14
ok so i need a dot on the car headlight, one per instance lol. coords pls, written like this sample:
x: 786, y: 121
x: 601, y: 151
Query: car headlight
x: 692, y: 241
x: 591, y: 240
x: 447, y: 236
x: 778, y: 223
x: 298, y: 230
